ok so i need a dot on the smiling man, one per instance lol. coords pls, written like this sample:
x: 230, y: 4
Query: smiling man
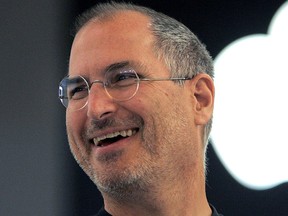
x: 139, y: 99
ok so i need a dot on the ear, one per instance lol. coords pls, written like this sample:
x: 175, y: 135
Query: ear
x: 203, y: 94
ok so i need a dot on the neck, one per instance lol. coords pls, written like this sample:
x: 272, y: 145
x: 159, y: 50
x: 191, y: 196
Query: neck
x: 182, y: 195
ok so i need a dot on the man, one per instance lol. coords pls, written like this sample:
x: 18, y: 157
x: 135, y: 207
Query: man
x: 139, y: 98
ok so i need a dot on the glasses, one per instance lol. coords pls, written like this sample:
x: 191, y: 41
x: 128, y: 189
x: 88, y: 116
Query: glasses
x: 120, y: 85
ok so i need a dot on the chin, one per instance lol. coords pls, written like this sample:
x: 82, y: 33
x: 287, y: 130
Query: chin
x: 123, y: 182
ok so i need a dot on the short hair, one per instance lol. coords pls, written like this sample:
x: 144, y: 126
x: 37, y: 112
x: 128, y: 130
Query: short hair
x: 181, y: 50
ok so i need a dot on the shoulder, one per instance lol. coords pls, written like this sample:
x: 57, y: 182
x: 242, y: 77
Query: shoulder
x: 102, y: 212
x: 214, y: 211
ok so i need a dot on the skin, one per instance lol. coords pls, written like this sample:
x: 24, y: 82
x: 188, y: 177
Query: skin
x: 159, y: 170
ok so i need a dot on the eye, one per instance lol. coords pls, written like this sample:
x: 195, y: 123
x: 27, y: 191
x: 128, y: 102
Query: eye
x: 121, y: 78
x: 77, y: 89
x: 75, y: 92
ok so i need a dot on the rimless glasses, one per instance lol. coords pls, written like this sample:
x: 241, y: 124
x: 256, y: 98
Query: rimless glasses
x: 120, y: 85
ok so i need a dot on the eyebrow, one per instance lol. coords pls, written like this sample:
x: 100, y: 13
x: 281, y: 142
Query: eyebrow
x: 111, y: 67
x: 123, y: 64
x: 120, y: 65
x: 116, y: 66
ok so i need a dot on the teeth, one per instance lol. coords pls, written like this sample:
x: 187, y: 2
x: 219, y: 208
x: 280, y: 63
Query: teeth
x: 129, y: 133
x: 124, y: 133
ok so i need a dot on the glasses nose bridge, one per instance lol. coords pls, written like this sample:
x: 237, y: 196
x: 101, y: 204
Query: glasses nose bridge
x: 100, y: 82
x: 97, y: 81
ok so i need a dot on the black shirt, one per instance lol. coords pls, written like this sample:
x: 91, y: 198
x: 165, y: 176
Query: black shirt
x: 102, y: 212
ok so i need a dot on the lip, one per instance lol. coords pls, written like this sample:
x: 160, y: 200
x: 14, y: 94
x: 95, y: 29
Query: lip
x: 113, y: 148
x: 106, y: 139
x: 112, y: 140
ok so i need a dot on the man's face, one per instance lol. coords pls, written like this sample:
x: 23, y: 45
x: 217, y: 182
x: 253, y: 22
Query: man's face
x: 158, y: 119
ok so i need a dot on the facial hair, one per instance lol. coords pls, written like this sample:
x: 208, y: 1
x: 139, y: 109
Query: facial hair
x: 159, y: 136
x: 115, y: 182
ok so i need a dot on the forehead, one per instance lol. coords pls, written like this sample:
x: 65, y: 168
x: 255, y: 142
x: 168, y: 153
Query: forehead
x: 123, y: 37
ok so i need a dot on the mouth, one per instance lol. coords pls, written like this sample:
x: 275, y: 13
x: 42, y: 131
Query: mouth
x: 111, y: 138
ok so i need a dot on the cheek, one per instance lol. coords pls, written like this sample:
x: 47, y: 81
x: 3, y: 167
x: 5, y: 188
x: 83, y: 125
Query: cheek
x: 154, y: 114
x: 75, y: 125
x: 75, y: 120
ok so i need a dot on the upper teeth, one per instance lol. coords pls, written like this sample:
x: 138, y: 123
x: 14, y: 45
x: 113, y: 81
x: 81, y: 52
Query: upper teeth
x: 124, y: 133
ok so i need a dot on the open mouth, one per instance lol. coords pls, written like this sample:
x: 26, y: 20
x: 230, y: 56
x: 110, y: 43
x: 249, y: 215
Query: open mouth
x: 111, y: 138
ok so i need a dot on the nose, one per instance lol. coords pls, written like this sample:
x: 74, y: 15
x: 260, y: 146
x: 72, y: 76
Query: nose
x: 100, y: 105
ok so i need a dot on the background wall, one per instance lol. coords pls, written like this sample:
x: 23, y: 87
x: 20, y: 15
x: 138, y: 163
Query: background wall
x: 38, y: 173
x: 34, y: 176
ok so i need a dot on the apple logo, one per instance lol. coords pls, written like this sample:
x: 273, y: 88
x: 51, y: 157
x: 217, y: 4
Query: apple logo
x: 251, y: 106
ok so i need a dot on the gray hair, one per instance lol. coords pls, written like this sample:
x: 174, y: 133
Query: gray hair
x: 180, y: 49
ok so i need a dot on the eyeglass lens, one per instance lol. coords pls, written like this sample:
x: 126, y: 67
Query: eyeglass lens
x: 119, y: 84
